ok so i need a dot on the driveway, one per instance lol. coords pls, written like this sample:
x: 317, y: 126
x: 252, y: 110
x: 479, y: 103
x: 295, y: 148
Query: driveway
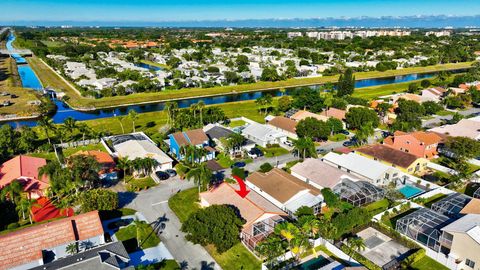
x: 153, y: 204
x: 437, y: 120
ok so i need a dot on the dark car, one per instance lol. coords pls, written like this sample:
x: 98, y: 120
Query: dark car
x: 239, y: 164
x: 348, y: 143
x: 162, y: 175
x: 344, y: 132
x: 321, y: 151
x: 171, y: 172
x: 255, y: 153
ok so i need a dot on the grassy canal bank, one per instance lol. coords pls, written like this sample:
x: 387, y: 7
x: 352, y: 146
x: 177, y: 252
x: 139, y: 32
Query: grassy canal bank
x: 51, y: 79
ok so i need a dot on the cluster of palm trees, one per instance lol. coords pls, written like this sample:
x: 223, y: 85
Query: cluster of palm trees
x: 23, y: 203
x: 191, y: 154
x: 264, y: 102
x: 305, y: 148
x: 139, y: 166
x: 68, y: 131
x: 132, y: 115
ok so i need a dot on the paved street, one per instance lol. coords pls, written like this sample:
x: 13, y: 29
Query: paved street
x: 439, y: 119
x: 153, y: 204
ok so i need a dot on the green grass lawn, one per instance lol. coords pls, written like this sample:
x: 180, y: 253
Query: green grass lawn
x: 426, y: 263
x: 148, y: 238
x: 72, y: 150
x: 337, y: 137
x: 155, y: 64
x: 238, y: 257
x: 274, y: 151
x: 139, y: 184
x: 444, y: 113
x: 236, y: 123
x: 183, y: 204
x: 377, y: 207
x: 164, y: 265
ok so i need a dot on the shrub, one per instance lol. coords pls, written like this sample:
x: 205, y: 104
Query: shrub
x: 218, y: 225
x: 12, y: 226
x: 240, y: 172
x: 266, y: 167
x: 98, y: 199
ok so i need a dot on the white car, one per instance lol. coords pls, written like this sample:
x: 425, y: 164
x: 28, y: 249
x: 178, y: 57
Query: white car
x: 288, y: 143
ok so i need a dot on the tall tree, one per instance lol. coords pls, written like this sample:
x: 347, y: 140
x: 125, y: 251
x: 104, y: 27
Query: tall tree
x: 346, y: 83
x: 201, y: 175
x: 133, y: 115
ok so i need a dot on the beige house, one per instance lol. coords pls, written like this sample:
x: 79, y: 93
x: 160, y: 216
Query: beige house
x: 462, y: 238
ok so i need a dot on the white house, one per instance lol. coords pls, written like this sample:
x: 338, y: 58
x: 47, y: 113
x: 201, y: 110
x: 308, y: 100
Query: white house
x: 263, y: 135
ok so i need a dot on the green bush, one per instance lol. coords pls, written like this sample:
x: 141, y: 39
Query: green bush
x: 98, y: 199
x: 266, y: 167
x: 12, y: 226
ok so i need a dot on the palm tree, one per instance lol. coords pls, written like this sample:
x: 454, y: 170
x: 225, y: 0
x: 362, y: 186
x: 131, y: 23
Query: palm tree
x: 171, y: 107
x: 84, y: 129
x: 70, y: 125
x: 72, y: 248
x: 200, y: 107
x: 25, y: 206
x: 12, y: 191
x: 120, y: 121
x: 124, y: 164
x: 261, y: 103
x: 133, y: 115
x: 47, y: 125
x: 271, y: 248
x: 201, y: 175
x: 268, y: 99
x: 355, y: 244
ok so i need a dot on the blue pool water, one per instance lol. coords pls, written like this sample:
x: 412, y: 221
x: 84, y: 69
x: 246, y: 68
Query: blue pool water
x: 409, y: 191
x: 313, y: 264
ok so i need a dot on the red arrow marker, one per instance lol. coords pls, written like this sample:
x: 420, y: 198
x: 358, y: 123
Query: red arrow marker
x: 243, y: 192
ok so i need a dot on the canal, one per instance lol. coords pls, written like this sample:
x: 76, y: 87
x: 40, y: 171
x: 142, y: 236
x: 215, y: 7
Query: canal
x: 30, y: 80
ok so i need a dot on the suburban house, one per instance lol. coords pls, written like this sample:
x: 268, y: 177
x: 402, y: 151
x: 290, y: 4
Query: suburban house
x: 464, y: 128
x: 461, y: 239
x: 264, y: 135
x: 259, y: 214
x: 302, y: 114
x: 419, y: 143
x: 196, y: 137
x: 285, y: 191
x: 284, y: 125
x: 107, y: 171
x: 335, y: 113
x: 319, y: 174
x: 365, y: 168
x: 137, y: 145
x: 433, y: 94
x: 42, y: 244
x: 401, y: 160
x: 24, y: 169
x: 217, y: 134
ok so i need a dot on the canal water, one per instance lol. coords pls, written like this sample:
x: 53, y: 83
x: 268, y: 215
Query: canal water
x: 30, y: 80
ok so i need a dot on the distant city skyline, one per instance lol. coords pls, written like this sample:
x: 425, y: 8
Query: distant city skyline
x: 49, y: 11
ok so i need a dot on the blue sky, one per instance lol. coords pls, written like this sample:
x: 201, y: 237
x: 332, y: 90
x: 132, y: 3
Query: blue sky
x: 172, y: 10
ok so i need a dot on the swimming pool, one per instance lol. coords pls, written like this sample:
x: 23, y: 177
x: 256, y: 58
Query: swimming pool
x: 409, y: 191
x: 313, y: 264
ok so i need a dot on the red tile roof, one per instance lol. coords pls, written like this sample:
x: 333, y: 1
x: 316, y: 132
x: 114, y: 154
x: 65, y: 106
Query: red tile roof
x: 335, y: 113
x: 24, y: 168
x: 26, y: 245
x: 44, y: 210
x: 101, y: 157
x: 388, y: 154
x: 284, y: 123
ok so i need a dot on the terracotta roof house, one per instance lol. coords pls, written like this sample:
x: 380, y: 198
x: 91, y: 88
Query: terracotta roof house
x: 433, y: 94
x: 285, y: 191
x: 285, y: 125
x: 472, y: 207
x: 319, y: 174
x: 40, y: 244
x: 259, y: 214
x: 196, y: 137
x: 401, y: 160
x: 465, y: 128
x: 301, y: 115
x: 105, y: 160
x: 25, y: 170
x: 419, y: 143
x: 335, y: 113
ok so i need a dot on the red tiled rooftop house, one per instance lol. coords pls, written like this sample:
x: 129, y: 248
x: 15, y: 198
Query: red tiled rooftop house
x: 25, y: 170
x: 421, y: 144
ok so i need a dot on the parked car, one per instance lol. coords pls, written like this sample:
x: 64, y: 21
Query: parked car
x: 255, y: 153
x: 171, y: 172
x: 288, y: 143
x: 348, y: 143
x: 321, y: 151
x: 344, y: 132
x: 238, y: 164
x: 162, y: 175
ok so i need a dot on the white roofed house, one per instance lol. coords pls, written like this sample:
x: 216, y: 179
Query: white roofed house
x: 371, y: 170
x: 263, y: 135
x: 138, y: 145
